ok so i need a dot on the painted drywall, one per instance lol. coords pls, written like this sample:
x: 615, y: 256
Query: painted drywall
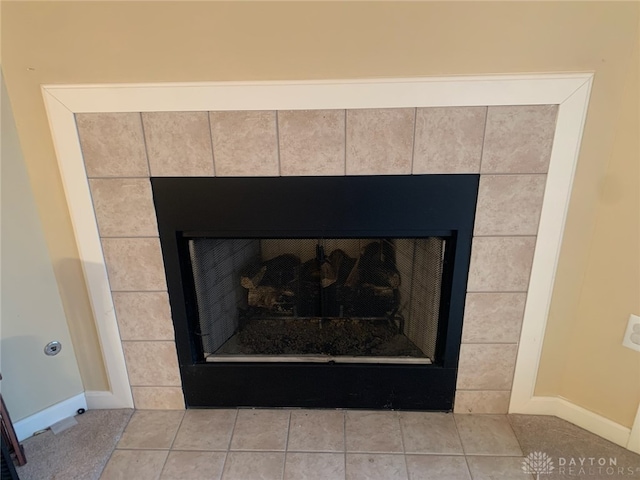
x: 32, y: 313
x: 599, y: 374
x: 104, y: 42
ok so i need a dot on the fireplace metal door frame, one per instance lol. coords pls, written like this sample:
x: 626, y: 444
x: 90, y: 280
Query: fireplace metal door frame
x: 329, y: 207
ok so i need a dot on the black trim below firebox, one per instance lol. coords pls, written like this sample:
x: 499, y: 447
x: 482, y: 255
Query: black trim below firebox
x: 317, y: 207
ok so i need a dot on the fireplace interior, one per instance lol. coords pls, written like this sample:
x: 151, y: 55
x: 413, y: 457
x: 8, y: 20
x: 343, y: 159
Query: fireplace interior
x: 340, y: 299
x: 317, y: 292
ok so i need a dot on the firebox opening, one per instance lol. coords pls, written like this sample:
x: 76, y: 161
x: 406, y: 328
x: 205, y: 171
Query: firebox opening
x: 328, y: 292
x: 318, y: 300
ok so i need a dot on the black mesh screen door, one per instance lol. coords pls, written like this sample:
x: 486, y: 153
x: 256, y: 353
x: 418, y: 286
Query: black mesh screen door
x: 318, y: 299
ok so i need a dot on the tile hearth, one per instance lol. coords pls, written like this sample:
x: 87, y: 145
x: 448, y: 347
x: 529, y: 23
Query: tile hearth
x: 337, y: 445
x: 508, y: 146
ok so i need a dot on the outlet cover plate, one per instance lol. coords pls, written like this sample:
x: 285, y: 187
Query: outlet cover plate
x: 632, y: 334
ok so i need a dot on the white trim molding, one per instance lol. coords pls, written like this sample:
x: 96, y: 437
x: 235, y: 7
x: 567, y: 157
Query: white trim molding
x: 572, y: 114
x: 100, y: 400
x: 569, y: 91
x: 45, y: 418
x: 328, y: 94
x: 634, y: 435
x: 67, y: 146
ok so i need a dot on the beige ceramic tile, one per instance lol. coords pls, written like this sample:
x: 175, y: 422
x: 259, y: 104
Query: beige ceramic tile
x: 260, y: 430
x: 376, y: 467
x: 312, y: 142
x: 124, y: 207
x: 253, y: 466
x: 205, y: 430
x: 429, y: 432
x: 373, y: 432
x: 518, y: 139
x: 486, y: 366
x: 493, y: 317
x: 436, y: 467
x: 487, y: 435
x: 134, y: 264
x: 500, y: 264
x: 314, y: 466
x: 152, y: 364
x: 482, y: 401
x: 143, y: 315
x: 245, y: 144
x: 449, y: 139
x: 151, y: 429
x: 380, y: 141
x: 193, y: 466
x: 178, y: 144
x: 504, y: 468
x: 138, y: 464
x: 112, y: 144
x: 509, y: 204
x: 316, y: 431
x: 158, y: 398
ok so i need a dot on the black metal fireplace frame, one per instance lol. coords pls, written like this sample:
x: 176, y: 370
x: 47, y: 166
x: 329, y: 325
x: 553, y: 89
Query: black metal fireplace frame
x: 317, y: 207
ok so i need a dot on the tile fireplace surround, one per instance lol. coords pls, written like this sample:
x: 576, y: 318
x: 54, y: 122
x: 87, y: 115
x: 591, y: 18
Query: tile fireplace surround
x: 509, y: 146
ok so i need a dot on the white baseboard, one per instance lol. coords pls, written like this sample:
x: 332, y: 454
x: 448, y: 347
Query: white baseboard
x: 634, y: 437
x: 47, y: 417
x: 592, y: 422
x: 100, y: 400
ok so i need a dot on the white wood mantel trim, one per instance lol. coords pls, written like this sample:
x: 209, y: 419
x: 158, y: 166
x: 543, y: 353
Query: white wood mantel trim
x: 570, y: 91
x: 329, y: 94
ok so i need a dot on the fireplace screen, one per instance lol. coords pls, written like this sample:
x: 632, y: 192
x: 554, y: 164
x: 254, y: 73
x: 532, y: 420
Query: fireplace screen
x: 318, y: 300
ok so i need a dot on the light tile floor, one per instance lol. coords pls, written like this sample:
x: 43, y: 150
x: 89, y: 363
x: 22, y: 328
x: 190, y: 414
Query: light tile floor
x: 249, y: 444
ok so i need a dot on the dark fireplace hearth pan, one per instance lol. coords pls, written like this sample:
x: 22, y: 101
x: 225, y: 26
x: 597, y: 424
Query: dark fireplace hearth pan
x: 307, y: 385
x: 317, y: 207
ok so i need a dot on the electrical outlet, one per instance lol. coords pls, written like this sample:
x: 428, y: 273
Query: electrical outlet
x: 632, y: 335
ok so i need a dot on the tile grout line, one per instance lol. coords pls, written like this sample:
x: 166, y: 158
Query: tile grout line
x: 233, y: 431
x: 286, y: 446
x: 184, y: 414
x: 344, y: 436
x: 464, y: 453
x: 126, y: 237
x: 323, y: 452
x: 502, y: 235
x: 494, y: 291
x: 144, y: 142
x: 213, y: 155
x: 278, y: 143
x: 404, y: 450
x: 413, y: 145
x: 484, y: 136
x: 119, y: 177
x: 138, y: 291
x: 345, y: 142
x: 508, y: 418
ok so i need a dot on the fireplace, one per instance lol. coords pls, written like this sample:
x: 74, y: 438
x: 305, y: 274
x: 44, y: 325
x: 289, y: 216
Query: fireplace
x: 317, y: 292
x: 110, y: 151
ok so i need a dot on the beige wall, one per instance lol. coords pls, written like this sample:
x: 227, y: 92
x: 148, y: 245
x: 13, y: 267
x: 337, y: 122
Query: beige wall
x: 89, y: 42
x: 32, y: 313
x: 598, y: 373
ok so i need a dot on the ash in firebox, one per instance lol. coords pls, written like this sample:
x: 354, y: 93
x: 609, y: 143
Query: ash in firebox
x: 320, y: 336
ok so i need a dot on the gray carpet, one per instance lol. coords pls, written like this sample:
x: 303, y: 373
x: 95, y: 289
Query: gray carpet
x: 77, y: 453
